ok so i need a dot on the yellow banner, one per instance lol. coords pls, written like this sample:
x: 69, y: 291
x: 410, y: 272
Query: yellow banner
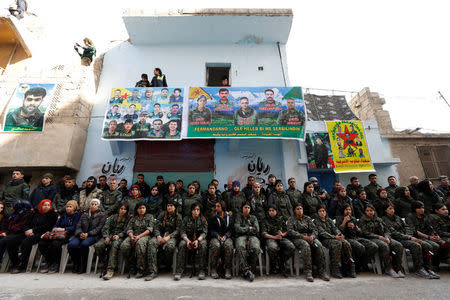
x: 349, y: 147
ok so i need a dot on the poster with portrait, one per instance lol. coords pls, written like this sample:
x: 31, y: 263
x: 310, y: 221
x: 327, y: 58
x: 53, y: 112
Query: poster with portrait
x: 27, y: 107
x: 243, y: 112
x: 349, y: 146
x: 144, y: 113
x: 318, y: 151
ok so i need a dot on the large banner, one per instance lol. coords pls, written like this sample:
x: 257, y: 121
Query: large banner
x: 26, y: 110
x: 318, y: 151
x: 242, y: 112
x: 349, y: 147
x: 144, y: 113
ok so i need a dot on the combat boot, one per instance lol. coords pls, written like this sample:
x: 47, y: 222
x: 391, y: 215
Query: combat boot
x: 249, y: 276
x: 109, y: 274
x: 352, y: 270
x: 324, y: 276
x: 336, y: 272
x: 214, y: 274
x: 201, y: 275
x: 309, y: 276
x: 177, y: 276
x: 227, y: 274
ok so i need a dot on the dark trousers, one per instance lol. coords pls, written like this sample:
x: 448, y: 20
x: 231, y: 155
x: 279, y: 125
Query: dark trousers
x: 11, y: 243
x: 25, y: 248
x: 51, y: 249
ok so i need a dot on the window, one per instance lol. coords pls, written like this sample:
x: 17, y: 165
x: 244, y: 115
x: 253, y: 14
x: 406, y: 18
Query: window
x: 215, y: 72
x: 435, y: 160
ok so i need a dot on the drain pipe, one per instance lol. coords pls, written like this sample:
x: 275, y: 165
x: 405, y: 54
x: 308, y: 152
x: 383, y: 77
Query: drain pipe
x: 281, y: 62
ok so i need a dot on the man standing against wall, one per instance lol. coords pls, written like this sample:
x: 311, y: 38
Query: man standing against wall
x: 17, y: 188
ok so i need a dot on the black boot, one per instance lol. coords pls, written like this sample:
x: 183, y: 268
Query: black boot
x: 82, y: 267
x: 76, y: 264
x: 336, y: 272
x: 352, y: 272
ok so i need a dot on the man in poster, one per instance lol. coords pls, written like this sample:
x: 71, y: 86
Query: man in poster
x: 320, y: 154
x: 245, y: 115
x: 291, y: 116
x: 28, y: 115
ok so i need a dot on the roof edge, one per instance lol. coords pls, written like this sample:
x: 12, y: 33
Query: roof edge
x: 268, y: 12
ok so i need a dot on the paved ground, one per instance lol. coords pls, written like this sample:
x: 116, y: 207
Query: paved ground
x: 69, y: 286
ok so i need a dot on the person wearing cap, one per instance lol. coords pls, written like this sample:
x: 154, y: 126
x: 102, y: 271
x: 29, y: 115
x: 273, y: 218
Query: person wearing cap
x: 236, y: 199
x: 281, y: 201
x: 246, y: 228
x: 270, y: 185
x: 142, y: 127
x: 310, y: 200
x: 87, y: 233
x: 390, y: 189
x: 65, y: 227
x: 190, y: 198
x: 133, y: 198
x: 444, y: 187
x: 372, y: 188
x: 45, y: 190
x: 220, y: 227
x: 139, y: 230
x: 420, y: 226
x: 167, y: 233
x: 69, y: 191
x: 303, y: 234
x: 193, y: 232
x: 113, y: 234
x: 279, y: 248
x: 295, y: 195
x: 382, y: 199
x: 319, y: 191
x: 373, y: 228
x: 42, y: 221
x: 17, y: 188
x: 90, y: 192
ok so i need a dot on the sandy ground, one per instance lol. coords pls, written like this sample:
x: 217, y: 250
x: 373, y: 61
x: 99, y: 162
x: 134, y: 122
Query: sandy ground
x: 70, y: 286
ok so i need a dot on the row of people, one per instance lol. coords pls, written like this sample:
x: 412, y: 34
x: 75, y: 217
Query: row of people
x: 139, y: 235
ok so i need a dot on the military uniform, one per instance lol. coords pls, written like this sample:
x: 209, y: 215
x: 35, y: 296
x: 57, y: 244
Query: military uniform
x: 402, y: 233
x: 402, y: 202
x: 310, y: 204
x: 282, y: 202
x: 269, y: 111
x: 188, y: 200
x: 441, y: 224
x: 373, y: 229
x: 132, y: 203
x: 166, y: 225
x: 327, y: 234
x: 234, y: 204
x: 155, y: 207
x: 177, y: 198
x: 294, y: 195
x: 35, y: 120
x: 60, y: 200
x: 193, y: 230
x: 297, y: 229
x: 152, y: 133
x: 291, y: 117
x: 85, y: 200
x: 371, y: 191
x: 221, y: 227
x: 18, y: 189
x: 245, y: 117
x: 271, y: 226
x: 111, y: 200
x: 258, y: 206
x: 352, y: 190
x: 197, y: 117
x: 209, y: 204
x: 379, y: 205
x: 362, y: 248
x: 247, y: 243
x: 113, y: 226
x: 390, y: 189
x: 138, y: 226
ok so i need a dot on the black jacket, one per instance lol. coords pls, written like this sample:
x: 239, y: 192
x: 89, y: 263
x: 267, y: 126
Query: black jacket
x: 42, y: 192
x: 92, y: 225
x: 221, y: 227
x: 41, y: 223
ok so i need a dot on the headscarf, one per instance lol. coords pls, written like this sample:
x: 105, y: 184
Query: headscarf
x: 21, y: 207
x: 135, y: 186
x: 424, y: 187
x: 379, y: 192
x: 235, y: 183
x: 400, y: 193
x: 42, y: 203
x: 95, y: 200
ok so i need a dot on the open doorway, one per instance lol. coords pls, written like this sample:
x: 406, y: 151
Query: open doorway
x: 216, y: 72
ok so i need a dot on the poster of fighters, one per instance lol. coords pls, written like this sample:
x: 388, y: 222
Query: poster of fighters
x: 243, y: 112
x: 318, y: 151
x: 27, y: 107
x: 349, y: 147
x: 144, y: 113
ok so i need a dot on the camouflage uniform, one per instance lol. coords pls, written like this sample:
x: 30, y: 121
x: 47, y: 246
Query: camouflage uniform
x: 235, y: 204
x: 247, y: 242
x: 200, y: 117
x: 402, y: 233
x: 390, y: 189
x: 327, y: 235
x: 85, y: 201
x: 362, y: 249
x: 297, y: 229
x: 166, y: 225
x: 188, y: 200
x: 294, y: 195
x: 371, y: 191
x: 209, y: 203
x: 423, y: 225
x: 219, y: 227
x: 155, y: 208
x: 18, y: 189
x: 310, y: 204
x: 352, y: 190
x: 282, y: 202
x: 272, y: 226
x: 112, y: 227
x: 441, y: 224
x: 59, y: 203
x: 177, y: 198
x: 373, y: 229
x: 294, y: 117
x: 132, y: 203
x: 111, y: 200
x: 193, y: 230
x: 258, y: 206
x: 138, y: 226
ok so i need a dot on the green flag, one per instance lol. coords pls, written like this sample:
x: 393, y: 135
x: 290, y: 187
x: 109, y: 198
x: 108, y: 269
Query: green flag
x: 295, y: 92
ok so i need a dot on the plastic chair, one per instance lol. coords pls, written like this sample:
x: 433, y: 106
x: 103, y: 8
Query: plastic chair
x: 64, y: 259
x: 405, y: 260
x: 31, y: 258
x: 89, y: 259
x: 297, y: 257
x: 5, y: 262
